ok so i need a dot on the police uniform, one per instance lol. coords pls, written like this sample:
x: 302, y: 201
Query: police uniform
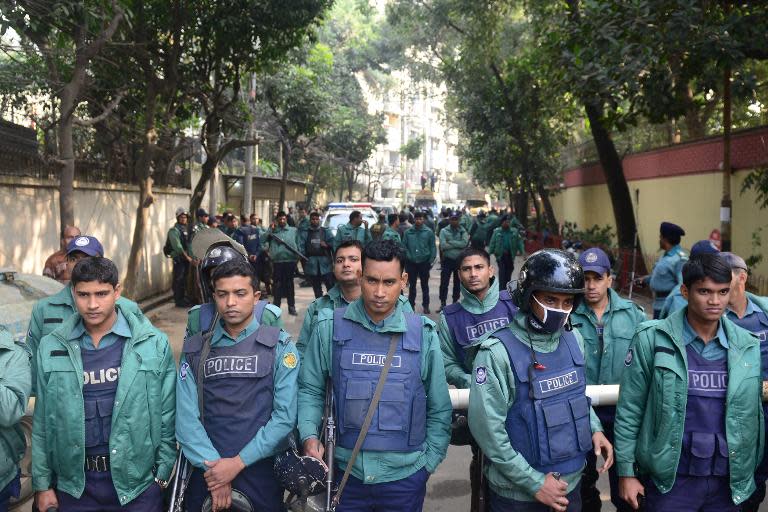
x: 689, y: 421
x: 755, y: 320
x: 284, y: 263
x: 452, y: 242
x: 675, y: 300
x: 15, y: 387
x: 606, y: 343
x: 349, y: 232
x: 319, y: 267
x: 666, y: 274
x: 249, y: 408
x: 330, y: 301
x: 410, y: 431
x: 420, y: 254
x: 104, y: 416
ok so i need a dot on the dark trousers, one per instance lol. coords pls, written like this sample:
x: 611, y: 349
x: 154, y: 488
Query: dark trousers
x: 656, y: 314
x: 180, y: 269
x: 11, y: 490
x: 477, y: 244
x: 284, y: 272
x: 590, y: 495
x: 418, y: 271
x: 318, y: 282
x: 99, y: 495
x: 405, y: 495
x: 501, y: 504
x: 506, y: 265
x: 692, y: 494
x: 257, y: 482
x: 450, y: 267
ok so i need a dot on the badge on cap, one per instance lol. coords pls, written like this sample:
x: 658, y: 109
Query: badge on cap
x: 183, y: 370
x: 590, y: 257
x: 628, y: 359
x: 215, y: 253
x: 481, y: 375
x: 290, y: 360
x: 82, y: 241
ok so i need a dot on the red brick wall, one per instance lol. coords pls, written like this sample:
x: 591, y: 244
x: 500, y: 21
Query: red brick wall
x: 749, y: 149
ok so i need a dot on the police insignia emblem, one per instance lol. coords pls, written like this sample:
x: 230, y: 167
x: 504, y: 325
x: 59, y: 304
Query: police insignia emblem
x: 628, y: 359
x: 591, y: 257
x: 81, y: 241
x: 481, y: 375
x: 215, y: 253
x: 290, y: 360
x: 183, y: 371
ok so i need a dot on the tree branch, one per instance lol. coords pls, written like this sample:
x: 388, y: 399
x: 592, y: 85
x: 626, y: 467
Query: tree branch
x: 107, y: 111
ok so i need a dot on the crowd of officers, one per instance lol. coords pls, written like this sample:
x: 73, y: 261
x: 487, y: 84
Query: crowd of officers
x: 687, y: 433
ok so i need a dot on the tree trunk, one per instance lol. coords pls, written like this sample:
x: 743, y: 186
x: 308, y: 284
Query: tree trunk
x: 536, y: 207
x: 549, y: 212
x: 285, y: 158
x: 521, y: 207
x: 614, y: 176
x: 67, y: 175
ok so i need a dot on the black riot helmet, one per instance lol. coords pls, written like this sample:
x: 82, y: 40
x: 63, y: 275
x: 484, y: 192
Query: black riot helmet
x: 240, y: 503
x: 550, y: 270
x: 300, y: 475
x: 216, y: 254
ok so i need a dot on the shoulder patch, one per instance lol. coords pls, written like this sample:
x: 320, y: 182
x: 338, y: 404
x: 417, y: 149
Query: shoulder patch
x: 481, y: 375
x: 183, y: 370
x: 628, y: 359
x: 290, y: 360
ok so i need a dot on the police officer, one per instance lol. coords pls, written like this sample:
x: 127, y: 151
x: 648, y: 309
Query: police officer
x: 689, y: 422
x: 453, y: 240
x: 420, y: 253
x: 481, y: 310
x: 316, y: 242
x: 347, y: 270
x: 528, y: 409
x: 102, y: 437
x: 56, y: 265
x: 15, y: 387
x: 283, y: 260
x: 666, y: 273
x: 505, y: 245
x: 356, y: 229
x: 202, y: 221
x: 51, y: 312
x: 392, y: 230
x: 675, y: 300
x: 607, y: 323
x: 750, y: 312
x: 248, y: 385
x: 178, y: 241
x: 250, y: 238
x: 409, y: 434
x: 480, y: 232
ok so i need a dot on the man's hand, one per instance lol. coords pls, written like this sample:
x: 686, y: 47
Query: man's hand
x: 605, y: 448
x: 46, y: 499
x: 552, y: 493
x: 629, y: 490
x: 222, y: 471
x: 221, y: 498
x: 314, y: 448
x: 365, y: 223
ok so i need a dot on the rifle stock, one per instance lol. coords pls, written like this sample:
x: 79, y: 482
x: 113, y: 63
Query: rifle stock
x: 330, y: 443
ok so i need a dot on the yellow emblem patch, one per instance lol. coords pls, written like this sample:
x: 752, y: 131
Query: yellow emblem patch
x: 290, y: 360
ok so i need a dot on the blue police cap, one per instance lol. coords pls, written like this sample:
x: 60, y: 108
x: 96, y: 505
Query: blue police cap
x: 595, y: 260
x: 201, y: 213
x: 89, y: 245
x: 704, y: 247
x: 670, y: 230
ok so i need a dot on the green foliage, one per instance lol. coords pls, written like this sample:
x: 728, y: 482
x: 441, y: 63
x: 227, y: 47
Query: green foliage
x: 757, y: 254
x: 757, y: 180
x: 411, y: 150
x: 595, y: 236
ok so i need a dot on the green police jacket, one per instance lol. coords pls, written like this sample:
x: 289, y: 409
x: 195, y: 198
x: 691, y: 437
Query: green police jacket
x: 453, y: 241
x: 349, y: 232
x: 650, y: 414
x: 419, y: 245
x: 50, y: 313
x: 141, y: 444
x: 270, y: 316
x: 605, y: 360
x: 279, y: 252
x: 15, y: 387
x: 317, y: 265
x: 505, y: 241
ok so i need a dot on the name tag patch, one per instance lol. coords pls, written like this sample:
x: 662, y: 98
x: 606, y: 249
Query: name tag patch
x: 557, y: 383
x: 486, y: 326
x: 101, y: 376
x: 363, y: 359
x: 707, y: 381
x: 231, y: 365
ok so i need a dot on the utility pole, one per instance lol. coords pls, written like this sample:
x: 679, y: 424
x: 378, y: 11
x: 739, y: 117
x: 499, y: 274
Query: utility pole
x: 725, y: 203
x: 250, y: 162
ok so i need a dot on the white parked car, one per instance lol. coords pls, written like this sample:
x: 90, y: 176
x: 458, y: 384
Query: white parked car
x: 338, y: 214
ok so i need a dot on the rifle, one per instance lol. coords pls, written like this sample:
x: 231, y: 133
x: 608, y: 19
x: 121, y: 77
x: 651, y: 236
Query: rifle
x: 330, y: 443
x: 290, y: 248
x: 180, y: 481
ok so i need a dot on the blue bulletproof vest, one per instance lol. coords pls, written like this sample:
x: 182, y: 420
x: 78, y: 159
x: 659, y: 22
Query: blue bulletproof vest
x: 467, y: 327
x: 101, y: 371
x: 705, y: 448
x: 400, y: 423
x: 548, y: 424
x: 248, y: 237
x: 208, y: 310
x: 757, y: 324
x: 238, y: 387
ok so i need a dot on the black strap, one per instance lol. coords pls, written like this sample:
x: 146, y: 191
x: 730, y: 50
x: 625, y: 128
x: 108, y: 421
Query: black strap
x: 204, y: 351
x: 368, y: 417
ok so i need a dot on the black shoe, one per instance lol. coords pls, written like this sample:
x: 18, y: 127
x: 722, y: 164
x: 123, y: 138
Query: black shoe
x: 292, y: 311
x: 426, y: 310
x: 442, y: 307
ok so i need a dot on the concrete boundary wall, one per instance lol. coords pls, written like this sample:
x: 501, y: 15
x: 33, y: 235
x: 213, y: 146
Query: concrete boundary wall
x: 31, y: 215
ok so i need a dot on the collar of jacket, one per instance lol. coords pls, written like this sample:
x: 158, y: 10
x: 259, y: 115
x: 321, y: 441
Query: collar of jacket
x: 395, y: 322
x: 615, y: 303
x: 140, y: 328
x: 673, y: 327
x: 6, y: 340
x: 63, y: 297
x: 471, y: 303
